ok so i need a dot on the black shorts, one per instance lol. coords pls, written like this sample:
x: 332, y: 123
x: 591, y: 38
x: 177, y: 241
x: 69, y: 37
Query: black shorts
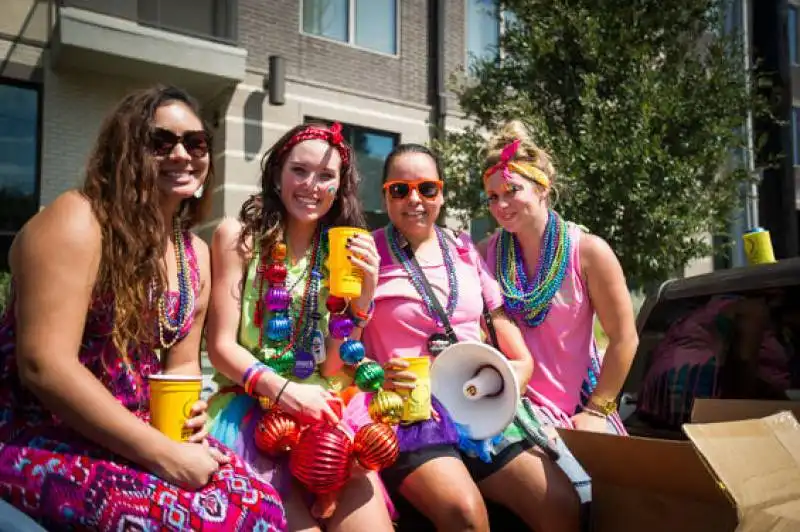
x: 479, y: 470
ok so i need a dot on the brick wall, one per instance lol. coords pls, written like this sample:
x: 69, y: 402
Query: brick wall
x: 75, y: 104
x: 273, y: 28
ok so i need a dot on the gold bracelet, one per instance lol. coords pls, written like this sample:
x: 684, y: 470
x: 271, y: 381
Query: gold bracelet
x: 604, y: 406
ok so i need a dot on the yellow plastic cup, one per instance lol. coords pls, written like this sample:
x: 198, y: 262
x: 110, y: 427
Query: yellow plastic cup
x: 171, y: 400
x: 417, y: 402
x: 758, y: 247
x: 345, y: 278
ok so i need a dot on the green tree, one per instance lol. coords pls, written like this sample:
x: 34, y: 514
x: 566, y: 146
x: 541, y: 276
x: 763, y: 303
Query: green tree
x: 642, y: 104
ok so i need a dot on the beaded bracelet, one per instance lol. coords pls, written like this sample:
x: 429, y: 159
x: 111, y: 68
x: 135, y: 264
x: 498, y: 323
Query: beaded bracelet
x: 252, y: 375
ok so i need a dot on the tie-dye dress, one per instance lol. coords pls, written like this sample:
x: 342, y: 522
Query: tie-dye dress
x: 67, y: 482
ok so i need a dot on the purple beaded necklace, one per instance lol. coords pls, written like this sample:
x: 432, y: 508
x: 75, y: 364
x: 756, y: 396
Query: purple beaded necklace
x: 415, y: 273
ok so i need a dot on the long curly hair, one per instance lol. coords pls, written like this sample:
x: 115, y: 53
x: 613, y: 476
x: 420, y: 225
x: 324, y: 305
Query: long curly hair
x: 264, y: 216
x: 122, y: 187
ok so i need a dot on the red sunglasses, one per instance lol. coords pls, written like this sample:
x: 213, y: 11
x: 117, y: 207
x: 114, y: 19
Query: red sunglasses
x: 163, y: 141
x: 426, y: 188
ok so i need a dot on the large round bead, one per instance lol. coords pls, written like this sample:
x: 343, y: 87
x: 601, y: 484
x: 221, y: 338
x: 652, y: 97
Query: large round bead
x: 322, y: 459
x: 278, y: 252
x: 276, y: 432
x: 340, y: 326
x: 279, y: 328
x: 376, y: 446
x: 369, y: 377
x: 386, y: 406
x: 282, y: 364
x: 351, y: 352
x: 277, y: 298
x: 276, y: 273
x: 335, y: 304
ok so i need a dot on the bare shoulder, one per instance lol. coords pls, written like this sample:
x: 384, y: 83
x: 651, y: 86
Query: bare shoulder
x: 226, y: 235
x: 593, y: 248
x: 597, y: 257
x: 68, y: 225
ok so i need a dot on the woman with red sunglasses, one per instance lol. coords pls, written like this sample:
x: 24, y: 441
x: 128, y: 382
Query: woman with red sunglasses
x: 439, y: 472
x: 274, y: 332
x: 109, y: 287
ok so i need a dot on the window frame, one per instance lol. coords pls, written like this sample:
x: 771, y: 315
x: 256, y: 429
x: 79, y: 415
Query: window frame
x: 396, y: 137
x: 37, y: 185
x: 502, y: 25
x: 351, y: 30
x: 793, y: 50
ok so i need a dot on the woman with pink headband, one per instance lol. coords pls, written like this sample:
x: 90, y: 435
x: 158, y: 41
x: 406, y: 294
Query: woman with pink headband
x: 271, y: 338
x: 555, y: 277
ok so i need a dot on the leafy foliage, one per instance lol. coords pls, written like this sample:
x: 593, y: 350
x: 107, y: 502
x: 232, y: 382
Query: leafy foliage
x: 641, y: 103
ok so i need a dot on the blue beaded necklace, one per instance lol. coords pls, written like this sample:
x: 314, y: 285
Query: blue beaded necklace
x: 415, y: 273
x: 531, y: 300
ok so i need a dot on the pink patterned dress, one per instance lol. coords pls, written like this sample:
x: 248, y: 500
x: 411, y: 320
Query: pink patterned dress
x: 67, y: 482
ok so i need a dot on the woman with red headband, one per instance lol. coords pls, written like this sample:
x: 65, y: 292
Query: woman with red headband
x: 555, y: 277
x: 270, y: 334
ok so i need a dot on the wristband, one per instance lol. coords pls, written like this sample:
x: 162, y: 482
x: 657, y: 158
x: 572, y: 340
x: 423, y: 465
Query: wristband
x: 361, y: 317
x: 252, y: 375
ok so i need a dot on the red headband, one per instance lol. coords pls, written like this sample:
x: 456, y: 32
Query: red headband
x: 333, y: 136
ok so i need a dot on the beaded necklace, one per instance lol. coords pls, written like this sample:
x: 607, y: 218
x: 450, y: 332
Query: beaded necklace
x: 168, y: 328
x: 531, y: 300
x: 415, y: 273
x: 299, y: 343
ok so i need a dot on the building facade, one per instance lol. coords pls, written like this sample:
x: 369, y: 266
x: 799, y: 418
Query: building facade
x: 258, y: 67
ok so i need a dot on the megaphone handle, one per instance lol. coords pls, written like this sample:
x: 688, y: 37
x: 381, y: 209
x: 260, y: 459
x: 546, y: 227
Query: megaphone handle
x: 536, y: 436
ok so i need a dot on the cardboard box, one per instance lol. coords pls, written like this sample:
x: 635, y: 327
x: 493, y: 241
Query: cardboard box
x: 739, y: 470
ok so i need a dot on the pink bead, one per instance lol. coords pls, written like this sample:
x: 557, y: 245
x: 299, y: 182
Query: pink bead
x: 277, y: 298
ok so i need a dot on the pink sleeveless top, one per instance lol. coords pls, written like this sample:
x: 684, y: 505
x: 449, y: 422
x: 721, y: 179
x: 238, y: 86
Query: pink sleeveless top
x: 400, y: 325
x: 566, y: 360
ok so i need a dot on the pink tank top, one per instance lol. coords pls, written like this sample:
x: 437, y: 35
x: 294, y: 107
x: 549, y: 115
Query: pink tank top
x: 566, y: 360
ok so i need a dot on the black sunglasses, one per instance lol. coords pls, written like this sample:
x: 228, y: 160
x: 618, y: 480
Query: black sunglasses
x: 163, y: 141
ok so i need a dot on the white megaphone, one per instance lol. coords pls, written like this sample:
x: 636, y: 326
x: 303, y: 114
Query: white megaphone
x: 477, y: 385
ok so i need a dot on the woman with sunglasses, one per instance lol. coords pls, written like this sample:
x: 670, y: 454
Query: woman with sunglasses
x: 442, y: 482
x: 124, y: 298
x: 555, y: 277
x: 283, y: 352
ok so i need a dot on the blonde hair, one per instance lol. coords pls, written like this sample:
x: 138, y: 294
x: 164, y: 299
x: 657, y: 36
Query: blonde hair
x: 527, y: 152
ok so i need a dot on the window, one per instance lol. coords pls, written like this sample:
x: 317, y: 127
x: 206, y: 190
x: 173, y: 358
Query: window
x: 371, y: 147
x: 483, y: 30
x: 792, y: 31
x: 485, y: 24
x: 370, y: 24
x: 19, y: 161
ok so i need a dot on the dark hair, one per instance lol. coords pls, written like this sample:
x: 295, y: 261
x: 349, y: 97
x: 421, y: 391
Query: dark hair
x: 402, y: 149
x: 263, y: 215
x: 121, y: 185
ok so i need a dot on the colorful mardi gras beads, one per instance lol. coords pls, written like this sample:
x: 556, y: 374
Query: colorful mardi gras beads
x: 168, y: 328
x: 414, y: 273
x: 531, y: 301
